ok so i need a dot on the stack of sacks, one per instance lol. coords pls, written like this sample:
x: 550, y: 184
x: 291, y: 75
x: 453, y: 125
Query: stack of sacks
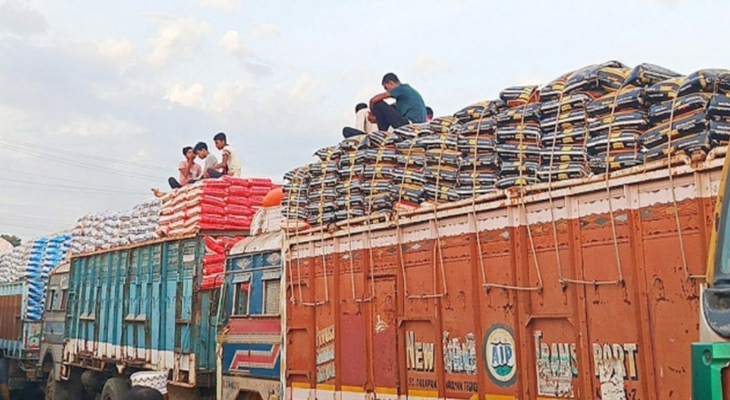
x: 294, y: 204
x: 322, y: 193
x: 214, y: 260
x: 479, y: 167
x: 441, y: 148
x: 225, y: 204
x: 518, y: 145
x: 33, y: 262
x: 688, y: 116
x: 348, y: 193
x: 409, y: 179
x: 618, y: 119
x: 565, y: 121
x: 107, y: 230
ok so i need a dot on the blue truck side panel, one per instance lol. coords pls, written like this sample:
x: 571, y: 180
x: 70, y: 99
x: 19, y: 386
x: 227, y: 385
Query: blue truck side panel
x: 140, y: 307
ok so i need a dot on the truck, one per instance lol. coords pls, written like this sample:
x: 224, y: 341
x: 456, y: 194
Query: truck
x: 20, y: 337
x: 711, y: 353
x: 251, y: 320
x: 574, y: 289
x: 50, y: 365
x: 142, y: 307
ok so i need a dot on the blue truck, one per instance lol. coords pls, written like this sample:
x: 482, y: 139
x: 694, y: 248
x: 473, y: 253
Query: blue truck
x: 251, y: 315
x: 141, y: 308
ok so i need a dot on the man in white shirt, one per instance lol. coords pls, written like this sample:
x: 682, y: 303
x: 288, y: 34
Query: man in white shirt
x: 231, y: 164
x: 364, y: 122
x: 209, y: 161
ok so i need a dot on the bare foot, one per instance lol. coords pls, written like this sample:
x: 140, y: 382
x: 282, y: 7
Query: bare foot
x: 157, y: 192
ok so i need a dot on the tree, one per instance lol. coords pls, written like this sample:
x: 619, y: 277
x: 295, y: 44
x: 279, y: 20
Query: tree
x: 14, y: 240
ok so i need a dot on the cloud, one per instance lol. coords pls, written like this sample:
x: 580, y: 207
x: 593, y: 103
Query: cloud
x: 262, y: 30
x: 16, y: 17
x: 429, y: 65
x: 229, y: 94
x: 228, y: 7
x: 177, y: 39
x: 105, y: 126
x: 234, y: 44
x: 116, y: 49
x: 192, y: 96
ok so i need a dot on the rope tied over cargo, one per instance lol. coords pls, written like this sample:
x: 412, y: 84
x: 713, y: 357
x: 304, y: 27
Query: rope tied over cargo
x: 528, y: 228
x: 675, y: 205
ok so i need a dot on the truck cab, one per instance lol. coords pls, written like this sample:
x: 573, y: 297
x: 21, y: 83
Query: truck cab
x: 711, y: 355
x: 250, y: 363
x: 52, y: 328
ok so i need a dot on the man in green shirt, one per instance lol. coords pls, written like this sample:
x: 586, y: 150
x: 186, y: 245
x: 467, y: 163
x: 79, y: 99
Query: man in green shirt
x: 409, y: 105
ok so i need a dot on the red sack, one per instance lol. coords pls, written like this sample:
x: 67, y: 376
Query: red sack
x: 233, y: 181
x: 259, y: 191
x: 211, y: 259
x: 211, y: 282
x: 239, y: 191
x: 212, y: 226
x: 213, y: 245
x: 213, y: 269
x: 257, y: 200
x: 240, y: 201
x: 213, y: 201
x: 215, y: 191
x: 261, y: 182
x: 233, y: 209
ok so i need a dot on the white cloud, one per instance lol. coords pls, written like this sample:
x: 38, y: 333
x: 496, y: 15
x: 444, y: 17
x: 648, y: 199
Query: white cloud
x: 18, y: 18
x: 230, y: 94
x: 262, y: 30
x: 115, y: 49
x: 232, y: 43
x: 429, y: 65
x: 192, y: 96
x: 228, y: 7
x: 177, y: 39
x: 105, y: 126
x: 305, y: 88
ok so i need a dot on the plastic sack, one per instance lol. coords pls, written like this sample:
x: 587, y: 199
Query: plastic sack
x: 519, y: 95
x: 480, y: 110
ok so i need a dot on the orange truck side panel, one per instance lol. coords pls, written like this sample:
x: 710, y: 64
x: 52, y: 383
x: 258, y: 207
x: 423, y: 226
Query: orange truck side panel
x: 570, y: 297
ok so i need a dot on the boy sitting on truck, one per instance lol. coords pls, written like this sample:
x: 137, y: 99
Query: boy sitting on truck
x: 209, y: 161
x: 409, y: 105
x: 231, y: 164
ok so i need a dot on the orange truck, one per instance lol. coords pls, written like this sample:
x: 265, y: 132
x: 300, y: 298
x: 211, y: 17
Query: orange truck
x: 577, y: 290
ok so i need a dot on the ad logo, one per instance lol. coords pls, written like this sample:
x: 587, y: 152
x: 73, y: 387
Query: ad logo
x: 499, y: 354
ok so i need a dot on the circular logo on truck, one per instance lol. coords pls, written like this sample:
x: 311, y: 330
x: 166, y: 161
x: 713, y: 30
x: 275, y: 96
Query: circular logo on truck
x: 499, y: 355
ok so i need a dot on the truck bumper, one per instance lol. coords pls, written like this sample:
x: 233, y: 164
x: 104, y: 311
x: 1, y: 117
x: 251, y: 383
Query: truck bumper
x: 708, y: 361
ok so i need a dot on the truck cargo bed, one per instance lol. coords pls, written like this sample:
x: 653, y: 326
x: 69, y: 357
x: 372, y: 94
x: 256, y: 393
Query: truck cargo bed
x: 142, y: 307
x: 584, y: 291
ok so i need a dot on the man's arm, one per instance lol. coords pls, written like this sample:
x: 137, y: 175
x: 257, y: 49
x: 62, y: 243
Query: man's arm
x: 223, y: 163
x: 4, y: 391
x: 379, y: 97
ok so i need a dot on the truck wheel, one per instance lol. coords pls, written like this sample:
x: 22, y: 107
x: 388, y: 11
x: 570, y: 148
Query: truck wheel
x: 56, y: 390
x: 115, y: 389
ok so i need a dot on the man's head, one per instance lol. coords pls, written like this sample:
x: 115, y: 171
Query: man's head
x: 143, y: 393
x: 201, y: 149
x: 220, y: 140
x: 360, y: 106
x: 390, y: 81
x: 188, y: 153
x: 429, y: 112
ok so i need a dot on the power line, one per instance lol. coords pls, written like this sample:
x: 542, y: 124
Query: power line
x: 55, y: 178
x: 72, y: 191
x: 53, y: 185
x: 92, y: 156
x: 77, y: 163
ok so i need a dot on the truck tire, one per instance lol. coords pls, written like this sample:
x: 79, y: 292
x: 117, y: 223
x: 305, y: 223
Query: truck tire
x: 115, y: 389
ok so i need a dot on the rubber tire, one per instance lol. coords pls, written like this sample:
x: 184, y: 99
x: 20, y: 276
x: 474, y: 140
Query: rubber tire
x: 115, y: 389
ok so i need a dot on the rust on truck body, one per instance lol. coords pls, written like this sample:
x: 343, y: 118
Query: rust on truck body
x: 578, y: 292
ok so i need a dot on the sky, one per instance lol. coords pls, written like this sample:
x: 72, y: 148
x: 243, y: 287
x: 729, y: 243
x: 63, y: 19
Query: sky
x: 98, y: 98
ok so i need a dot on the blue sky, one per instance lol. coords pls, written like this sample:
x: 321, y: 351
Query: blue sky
x: 86, y: 83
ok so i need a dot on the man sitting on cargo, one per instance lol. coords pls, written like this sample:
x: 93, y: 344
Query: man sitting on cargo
x: 4, y: 391
x: 231, y: 164
x: 189, y: 170
x: 364, y: 122
x: 209, y: 161
x: 409, y: 105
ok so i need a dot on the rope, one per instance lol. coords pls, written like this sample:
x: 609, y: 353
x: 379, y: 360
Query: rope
x: 398, y: 231
x: 539, y: 286
x: 683, y: 253
x: 473, y: 199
